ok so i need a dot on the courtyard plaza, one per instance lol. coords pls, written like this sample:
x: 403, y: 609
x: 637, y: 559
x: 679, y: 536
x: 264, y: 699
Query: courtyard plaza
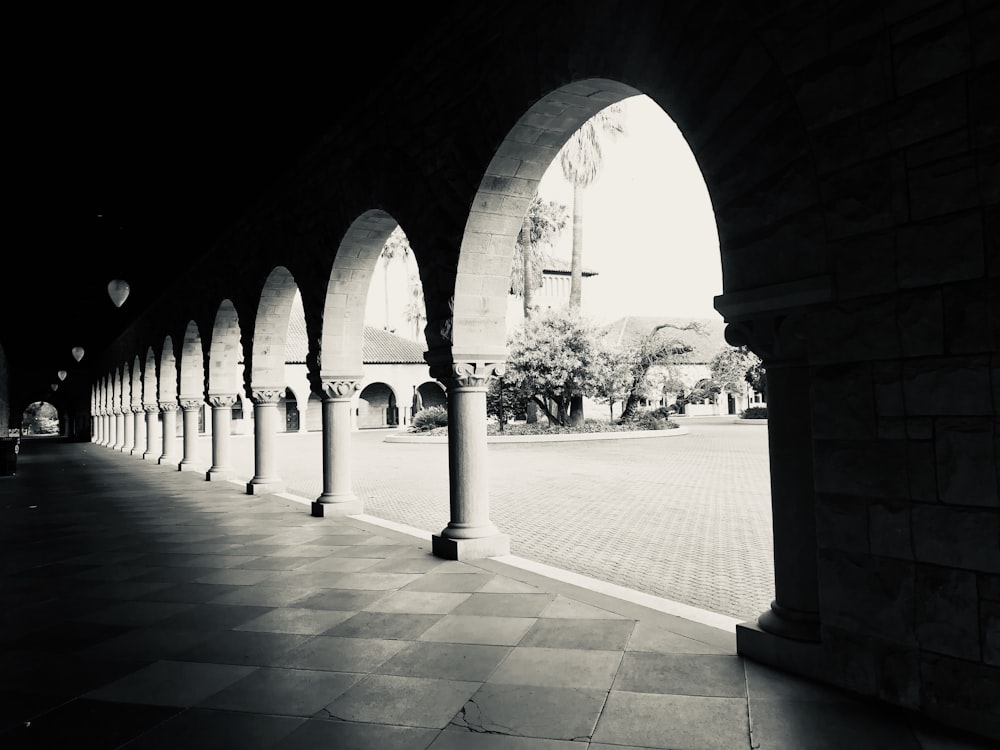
x: 145, y: 607
x: 685, y: 516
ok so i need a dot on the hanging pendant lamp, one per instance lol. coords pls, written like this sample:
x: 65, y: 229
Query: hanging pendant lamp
x: 55, y: 386
x: 77, y: 353
x: 118, y: 291
x: 61, y: 374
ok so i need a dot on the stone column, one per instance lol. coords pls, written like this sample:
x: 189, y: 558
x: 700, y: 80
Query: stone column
x: 338, y: 497
x: 151, y: 453
x: 169, y: 433
x: 139, y: 430
x: 105, y: 428
x: 222, y: 416
x: 115, y: 423
x: 470, y: 534
x: 787, y: 635
x: 265, y: 437
x: 189, y: 415
x: 128, y: 430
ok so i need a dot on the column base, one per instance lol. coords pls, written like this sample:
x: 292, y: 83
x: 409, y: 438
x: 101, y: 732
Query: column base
x: 215, y: 475
x: 347, y: 507
x: 166, y: 460
x: 265, y: 487
x: 150, y: 457
x: 790, y: 623
x: 470, y: 549
x: 189, y: 467
x: 802, y: 658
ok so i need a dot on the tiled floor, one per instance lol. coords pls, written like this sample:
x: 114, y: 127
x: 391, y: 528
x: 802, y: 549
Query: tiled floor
x: 146, y: 608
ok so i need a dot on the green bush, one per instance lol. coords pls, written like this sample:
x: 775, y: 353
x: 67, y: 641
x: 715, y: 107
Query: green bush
x: 653, y: 419
x: 429, y: 418
x: 754, y: 412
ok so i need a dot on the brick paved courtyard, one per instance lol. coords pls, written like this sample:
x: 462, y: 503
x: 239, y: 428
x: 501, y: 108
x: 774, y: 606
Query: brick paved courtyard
x: 684, y: 517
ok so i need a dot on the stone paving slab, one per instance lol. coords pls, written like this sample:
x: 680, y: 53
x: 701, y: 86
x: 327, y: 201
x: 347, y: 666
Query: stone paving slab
x: 685, y: 517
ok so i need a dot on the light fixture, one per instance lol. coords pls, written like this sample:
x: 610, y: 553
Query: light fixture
x: 61, y: 374
x: 55, y: 386
x: 118, y: 291
x: 77, y: 353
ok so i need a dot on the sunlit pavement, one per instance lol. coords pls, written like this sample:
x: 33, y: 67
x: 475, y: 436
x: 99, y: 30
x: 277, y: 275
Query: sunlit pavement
x: 684, y: 517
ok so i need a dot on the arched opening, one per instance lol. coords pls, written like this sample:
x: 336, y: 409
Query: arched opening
x: 431, y: 393
x: 645, y: 268
x: 40, y: 418
x: 377, y: 407
x: 289, y: 409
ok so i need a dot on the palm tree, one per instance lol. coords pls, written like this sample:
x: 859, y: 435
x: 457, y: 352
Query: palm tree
x: 541, y: 226
x: 581, y: 158
x: 416, y: 309
x: 397, y: 246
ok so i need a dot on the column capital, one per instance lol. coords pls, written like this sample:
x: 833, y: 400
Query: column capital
x: 776, y: 339
x: 190, y: 404
x: 150, y: 408
x: 339, y: 389
x: 221, y: 400
x: 168, y: 406
x: 267, y: 395
x: 468, y: 374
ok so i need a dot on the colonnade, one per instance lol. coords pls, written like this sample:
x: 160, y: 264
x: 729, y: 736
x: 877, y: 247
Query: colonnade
x: 470, y: 533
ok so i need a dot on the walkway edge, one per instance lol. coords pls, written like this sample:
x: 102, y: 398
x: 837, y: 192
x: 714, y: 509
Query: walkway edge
x: 565, y: 438
x: 667, y: 606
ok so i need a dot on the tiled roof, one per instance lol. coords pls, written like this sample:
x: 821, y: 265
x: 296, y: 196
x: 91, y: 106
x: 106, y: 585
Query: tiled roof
x: 552, y: 264
x: 384, y: 348
x: 704, y: 346
x: 379, y: 348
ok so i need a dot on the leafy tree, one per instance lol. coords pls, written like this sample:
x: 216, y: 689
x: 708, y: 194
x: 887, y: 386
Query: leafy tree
x: 612, y: 376
x: 730, y: 366
x: 705, y: 389
x: 757, y: 378
x: 653, y: 349
x: 504, y: 402
x: 541, y: 227
x: 551, y: 359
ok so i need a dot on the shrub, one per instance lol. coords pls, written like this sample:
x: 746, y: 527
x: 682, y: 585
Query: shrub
x: 429, y: 418
x: 653, y: 419
x: 754, y: 412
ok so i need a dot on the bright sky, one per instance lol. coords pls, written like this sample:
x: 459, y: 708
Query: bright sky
x: 649, y: 229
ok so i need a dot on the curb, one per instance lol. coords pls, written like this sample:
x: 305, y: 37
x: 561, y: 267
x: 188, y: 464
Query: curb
x: 566, y: 438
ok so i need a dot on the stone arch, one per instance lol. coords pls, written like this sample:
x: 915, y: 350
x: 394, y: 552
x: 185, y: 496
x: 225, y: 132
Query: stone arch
x: 270, y: 331
x: 347, y: 293
x: 192, y: 364
x: 136, y: 402
x: 479, y: 327
x: 168, y: 372
x: 225, y: 352
x: 150, y: 382
x: 314, y: 414
x: 377, y: 406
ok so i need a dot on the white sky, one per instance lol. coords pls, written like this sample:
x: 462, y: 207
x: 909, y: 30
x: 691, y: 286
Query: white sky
x: 649, y: 229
